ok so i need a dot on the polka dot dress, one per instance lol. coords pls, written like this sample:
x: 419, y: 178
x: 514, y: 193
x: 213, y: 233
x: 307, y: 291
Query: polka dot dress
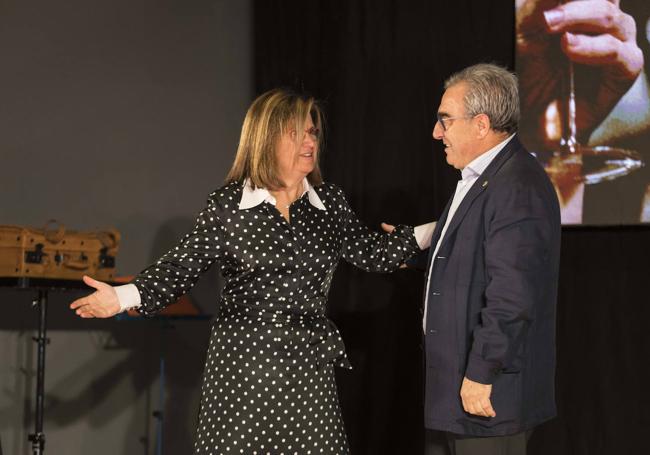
x: 268, y: 385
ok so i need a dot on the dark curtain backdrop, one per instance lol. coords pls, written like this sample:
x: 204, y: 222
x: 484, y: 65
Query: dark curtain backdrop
x: 378, y: 66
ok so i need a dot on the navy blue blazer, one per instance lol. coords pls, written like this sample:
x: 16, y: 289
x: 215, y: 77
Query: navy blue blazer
x: 492, y: 299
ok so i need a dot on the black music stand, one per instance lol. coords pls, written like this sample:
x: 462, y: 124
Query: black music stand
x: 42, y: 286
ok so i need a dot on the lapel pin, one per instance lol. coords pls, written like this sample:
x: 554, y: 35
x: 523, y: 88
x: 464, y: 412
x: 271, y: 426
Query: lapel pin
x: 484, y: 183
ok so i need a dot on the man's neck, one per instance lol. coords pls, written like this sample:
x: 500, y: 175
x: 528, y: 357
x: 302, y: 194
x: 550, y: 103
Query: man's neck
x: 493, y: 140
x: 490, y: 142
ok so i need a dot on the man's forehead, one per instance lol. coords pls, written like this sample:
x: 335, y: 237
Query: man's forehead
x: 452, y: 99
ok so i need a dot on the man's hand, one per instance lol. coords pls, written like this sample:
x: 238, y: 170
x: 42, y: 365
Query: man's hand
x: 596, y: 35
x: 103, y: 303
x: 476, y: 398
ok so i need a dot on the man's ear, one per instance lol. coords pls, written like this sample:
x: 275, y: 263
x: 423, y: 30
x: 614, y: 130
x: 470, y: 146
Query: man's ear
x: 484, y: 125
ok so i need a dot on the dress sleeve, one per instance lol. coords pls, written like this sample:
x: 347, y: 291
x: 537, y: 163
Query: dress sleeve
x: 370, y: 250
x: 178, y: 270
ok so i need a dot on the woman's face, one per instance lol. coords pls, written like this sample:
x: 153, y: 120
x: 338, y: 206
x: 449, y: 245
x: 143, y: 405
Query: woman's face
x: 297, y: 151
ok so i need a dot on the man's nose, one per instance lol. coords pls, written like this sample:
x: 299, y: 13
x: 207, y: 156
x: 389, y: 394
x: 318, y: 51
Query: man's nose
x: 438, y: 132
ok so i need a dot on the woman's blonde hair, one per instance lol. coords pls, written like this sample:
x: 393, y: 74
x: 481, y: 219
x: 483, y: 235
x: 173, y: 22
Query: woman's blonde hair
x: 272, y: 114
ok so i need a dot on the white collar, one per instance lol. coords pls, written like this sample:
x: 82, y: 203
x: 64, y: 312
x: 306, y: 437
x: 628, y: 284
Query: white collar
x: 253, y: 197
x: 481, y: 162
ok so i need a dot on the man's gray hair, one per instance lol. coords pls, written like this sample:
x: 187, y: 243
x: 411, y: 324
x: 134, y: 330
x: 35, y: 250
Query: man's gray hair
x: 492, y: 90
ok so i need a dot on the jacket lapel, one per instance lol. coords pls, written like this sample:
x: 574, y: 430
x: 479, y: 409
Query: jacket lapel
x: 480, y: 185
x: 438, y: 229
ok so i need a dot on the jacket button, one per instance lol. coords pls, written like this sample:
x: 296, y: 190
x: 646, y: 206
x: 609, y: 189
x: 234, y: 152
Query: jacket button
x: 433, y: 331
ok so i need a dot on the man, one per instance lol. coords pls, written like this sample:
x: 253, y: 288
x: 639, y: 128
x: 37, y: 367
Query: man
x: 491, y: 277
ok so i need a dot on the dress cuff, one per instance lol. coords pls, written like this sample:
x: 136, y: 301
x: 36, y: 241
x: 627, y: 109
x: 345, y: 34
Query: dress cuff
x: 128, y: 296
x: 423, y: 234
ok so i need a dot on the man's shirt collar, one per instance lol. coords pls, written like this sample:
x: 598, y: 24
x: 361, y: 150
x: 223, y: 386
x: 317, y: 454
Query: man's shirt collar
x: 481, y: 162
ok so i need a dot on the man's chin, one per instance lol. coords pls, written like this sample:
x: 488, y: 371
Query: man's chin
x: 451, y: 162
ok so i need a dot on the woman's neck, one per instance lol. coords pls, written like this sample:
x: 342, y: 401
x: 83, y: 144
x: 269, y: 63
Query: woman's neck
x: 292, y: 190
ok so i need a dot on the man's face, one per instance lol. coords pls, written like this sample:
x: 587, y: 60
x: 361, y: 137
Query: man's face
x: 459, y: 132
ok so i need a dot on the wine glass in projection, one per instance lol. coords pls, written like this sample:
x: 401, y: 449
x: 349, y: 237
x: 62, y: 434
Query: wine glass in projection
x: 576, y: 163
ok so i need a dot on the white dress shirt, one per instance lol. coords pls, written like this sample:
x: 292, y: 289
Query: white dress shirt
x: 470, y: 175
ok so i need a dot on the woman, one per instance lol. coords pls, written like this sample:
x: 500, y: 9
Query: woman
x: 278, y: 232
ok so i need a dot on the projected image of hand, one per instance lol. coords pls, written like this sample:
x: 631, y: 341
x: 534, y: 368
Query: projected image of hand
x: 596, y: 35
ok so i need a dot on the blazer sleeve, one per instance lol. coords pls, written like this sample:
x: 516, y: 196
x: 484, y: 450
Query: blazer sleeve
x: 177, y: 271
x: 517, y: 249
x: 370, y: 250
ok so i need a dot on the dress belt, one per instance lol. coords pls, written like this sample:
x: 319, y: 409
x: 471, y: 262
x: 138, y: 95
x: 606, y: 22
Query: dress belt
x: 324, y: 336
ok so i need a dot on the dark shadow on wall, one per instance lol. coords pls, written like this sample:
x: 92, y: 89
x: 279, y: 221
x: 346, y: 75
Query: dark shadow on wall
x: 181, y: 344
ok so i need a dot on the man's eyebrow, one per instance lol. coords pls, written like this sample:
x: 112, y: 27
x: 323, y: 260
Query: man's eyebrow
x: 443, y: 114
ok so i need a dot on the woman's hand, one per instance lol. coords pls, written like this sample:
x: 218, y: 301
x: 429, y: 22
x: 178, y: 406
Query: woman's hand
x: 390, y: 228
x: 103, y: 303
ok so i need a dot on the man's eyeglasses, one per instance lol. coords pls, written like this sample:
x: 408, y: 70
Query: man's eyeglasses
x: 442, y: 119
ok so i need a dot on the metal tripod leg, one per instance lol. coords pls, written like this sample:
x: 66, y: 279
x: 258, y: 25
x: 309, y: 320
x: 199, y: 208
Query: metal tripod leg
x: 38, y: 437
